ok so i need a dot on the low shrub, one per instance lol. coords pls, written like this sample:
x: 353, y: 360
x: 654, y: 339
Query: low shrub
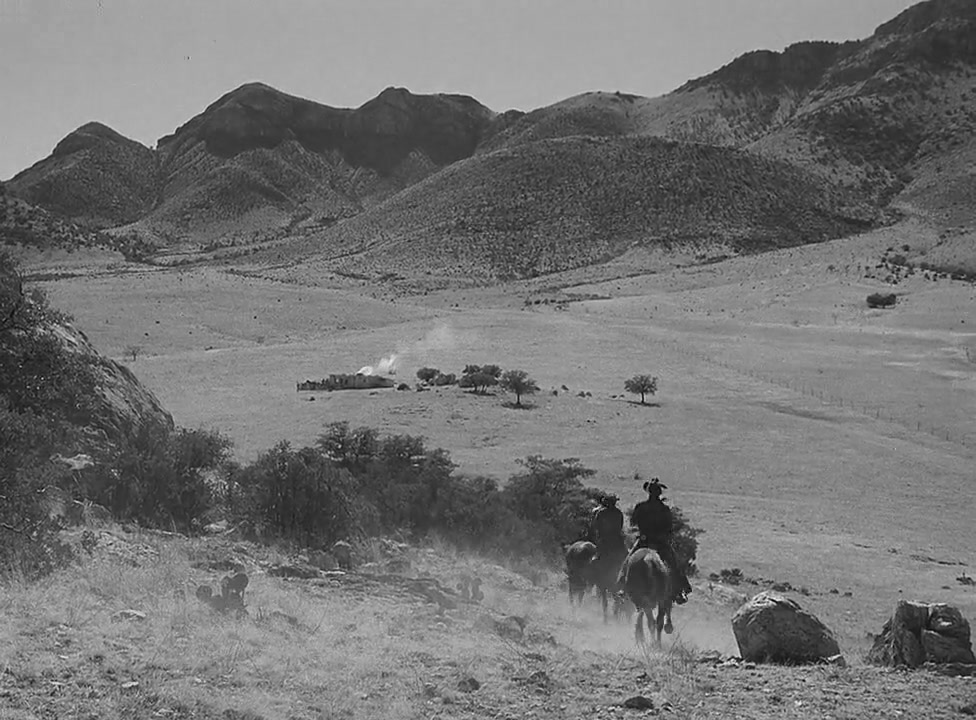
x: 881, y: 300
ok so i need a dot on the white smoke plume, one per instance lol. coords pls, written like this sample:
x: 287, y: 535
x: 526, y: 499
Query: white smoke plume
x: 438, y: 339
x: 386, y: 366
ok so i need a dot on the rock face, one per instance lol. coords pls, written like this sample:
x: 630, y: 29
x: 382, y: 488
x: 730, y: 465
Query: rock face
x: 125, y: 407
x: 919, y: 632
x: 773, y: 628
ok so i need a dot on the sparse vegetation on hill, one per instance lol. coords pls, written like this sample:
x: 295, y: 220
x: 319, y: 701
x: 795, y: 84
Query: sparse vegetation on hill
x: 26, y: 225
x: 442, y: 184
x: 94, y: 177
x: 561, y: 204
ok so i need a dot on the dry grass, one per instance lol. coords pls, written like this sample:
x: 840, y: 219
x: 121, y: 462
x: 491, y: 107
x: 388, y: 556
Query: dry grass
x: 358, y: 647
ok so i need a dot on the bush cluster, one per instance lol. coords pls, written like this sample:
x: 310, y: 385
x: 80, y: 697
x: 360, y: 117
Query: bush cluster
x: 352, y: 483
x: 881, y: 300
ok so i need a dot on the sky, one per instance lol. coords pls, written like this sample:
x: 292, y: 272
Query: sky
x: 144, y: 67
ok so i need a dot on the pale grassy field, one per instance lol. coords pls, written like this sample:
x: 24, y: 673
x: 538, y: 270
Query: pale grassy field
x: 816, y: 441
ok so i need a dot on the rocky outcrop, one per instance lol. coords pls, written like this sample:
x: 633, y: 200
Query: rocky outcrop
x: 773, y: 628
x: 798, y: 68
x: 124, y: 407
x: 918, y: 633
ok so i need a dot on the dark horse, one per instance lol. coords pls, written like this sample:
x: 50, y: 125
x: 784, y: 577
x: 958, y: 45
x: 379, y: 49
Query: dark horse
x: 648, y: 582
x: 586, y: 567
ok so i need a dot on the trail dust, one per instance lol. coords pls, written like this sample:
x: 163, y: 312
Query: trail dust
x: 696, y: 629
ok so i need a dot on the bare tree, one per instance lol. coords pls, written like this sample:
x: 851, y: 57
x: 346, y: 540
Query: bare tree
x: 133, y: 350
x: 642, y: 385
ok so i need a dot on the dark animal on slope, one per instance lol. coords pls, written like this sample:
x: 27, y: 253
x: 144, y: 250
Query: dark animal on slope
x: 579, y: 556
x: 586, y: 568
x: 647, y: 581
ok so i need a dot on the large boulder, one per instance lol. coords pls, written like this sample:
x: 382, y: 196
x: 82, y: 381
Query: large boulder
x: 918, y: 633
x: 773, y: 628
x: 123, y: 406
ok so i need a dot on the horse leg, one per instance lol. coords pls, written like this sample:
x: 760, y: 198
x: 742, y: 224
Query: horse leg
x: 639, y: 626
x: 666, y: 610
x: 604, y: 599
x: 661, y: 614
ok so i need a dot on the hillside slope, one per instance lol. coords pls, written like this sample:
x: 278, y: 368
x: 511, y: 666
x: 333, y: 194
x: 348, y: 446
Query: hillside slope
x: 24, y: 224
x: 94, y: 176
x: 887, y: 121
x: 258, y: 162
x: 557, y: 204
x: 887, y: 114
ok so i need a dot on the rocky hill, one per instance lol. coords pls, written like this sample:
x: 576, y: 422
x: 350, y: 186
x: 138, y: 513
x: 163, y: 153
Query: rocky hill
x: 51, y: 373
x: 883, y: 115
x: 887, y: 121
x: 253, y: 164
x: 27, y: 225
x: 552, y: 205
x: 94, y: 176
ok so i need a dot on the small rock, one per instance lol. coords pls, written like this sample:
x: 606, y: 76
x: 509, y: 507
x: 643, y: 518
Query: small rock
x: 836, y: 661
x: 130, y: 685
x: 293, y: 571
x: 638, y: 702
x: 468, y: 684
x: 131, y: 615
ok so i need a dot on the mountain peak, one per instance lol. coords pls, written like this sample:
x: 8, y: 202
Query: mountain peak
x: 924, y: 15
x: 87, y: 136
x: 798, y: 67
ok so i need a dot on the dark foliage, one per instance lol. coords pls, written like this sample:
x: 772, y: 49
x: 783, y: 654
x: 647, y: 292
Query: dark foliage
x: 685, y: 541
x: 298, y: 495
x: 550, y: 496
x: 29, y: 543
x: 518, y: 382
x: 480, y: 377
x: 160, y: 479
x: 641, y: 385
x: 427, y: 374
x: 881, y: 300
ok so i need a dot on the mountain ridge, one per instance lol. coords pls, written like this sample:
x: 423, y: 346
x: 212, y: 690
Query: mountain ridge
x: 878, y: 120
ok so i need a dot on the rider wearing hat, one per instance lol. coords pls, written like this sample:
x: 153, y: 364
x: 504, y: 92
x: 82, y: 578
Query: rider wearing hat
x: 653, y: 520
x: 607, y: 526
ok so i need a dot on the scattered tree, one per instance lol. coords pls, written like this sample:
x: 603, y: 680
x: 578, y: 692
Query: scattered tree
x: 641, y: 385
x: 518, y: 382
x: 427, y: 374
x: 480, y: 377
x: 133, y: 351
